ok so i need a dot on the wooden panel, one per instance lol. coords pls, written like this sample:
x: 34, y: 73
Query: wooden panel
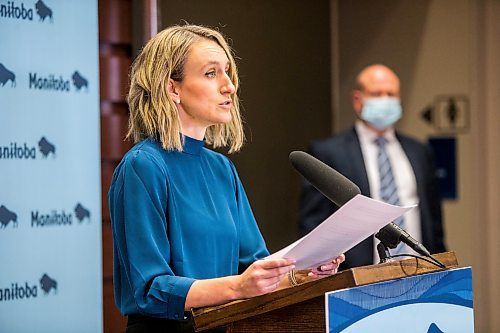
x: 115, y: 18
x: 115, y: 44
x: 109, y: 108
x: 107, y: 169
x: 114, y: 77
x: 113, y: 131
x: 107, y: 252
x: 400, y: 269
x: 307, y: 317
x: 114, y: 322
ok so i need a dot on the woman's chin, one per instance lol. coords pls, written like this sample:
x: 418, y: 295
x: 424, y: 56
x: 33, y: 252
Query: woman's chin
x: 224, y: 118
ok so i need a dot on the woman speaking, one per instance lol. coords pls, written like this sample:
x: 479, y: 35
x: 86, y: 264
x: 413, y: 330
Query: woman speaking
x: 184, y: 234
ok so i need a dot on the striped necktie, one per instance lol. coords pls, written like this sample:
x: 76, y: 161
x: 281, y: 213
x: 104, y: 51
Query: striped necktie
x: 388, y: 189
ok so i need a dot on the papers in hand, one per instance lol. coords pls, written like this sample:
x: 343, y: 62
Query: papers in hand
x: 359, y: 218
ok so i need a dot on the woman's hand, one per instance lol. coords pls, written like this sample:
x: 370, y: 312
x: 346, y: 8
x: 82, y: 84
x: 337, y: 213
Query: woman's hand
x: 262, y: 277
x: 327, y: 269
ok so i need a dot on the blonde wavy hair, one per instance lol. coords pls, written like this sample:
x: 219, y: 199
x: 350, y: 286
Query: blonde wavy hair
x: 153, y: 113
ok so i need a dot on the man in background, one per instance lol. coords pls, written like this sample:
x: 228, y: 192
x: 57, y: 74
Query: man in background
x: 386, y: 165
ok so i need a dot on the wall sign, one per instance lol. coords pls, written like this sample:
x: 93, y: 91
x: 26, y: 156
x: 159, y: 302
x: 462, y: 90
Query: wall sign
x: 50, y: 205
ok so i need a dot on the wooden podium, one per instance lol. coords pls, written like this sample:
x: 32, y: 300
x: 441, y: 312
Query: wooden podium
x: 302, y: 308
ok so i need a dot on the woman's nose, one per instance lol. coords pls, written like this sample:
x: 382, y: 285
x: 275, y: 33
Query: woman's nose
x: 228, y: 86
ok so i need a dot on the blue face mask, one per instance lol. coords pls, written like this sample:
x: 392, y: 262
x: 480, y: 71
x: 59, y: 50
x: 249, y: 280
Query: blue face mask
x: 381, y: 112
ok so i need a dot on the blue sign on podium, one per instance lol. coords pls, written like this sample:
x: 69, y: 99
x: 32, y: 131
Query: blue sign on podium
x: 430, y: 303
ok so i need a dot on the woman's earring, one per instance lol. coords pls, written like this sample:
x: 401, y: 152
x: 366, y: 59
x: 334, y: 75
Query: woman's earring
x: 178, y: 101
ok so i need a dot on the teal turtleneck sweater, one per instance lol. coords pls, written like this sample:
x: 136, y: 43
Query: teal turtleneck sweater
x: 177, y: 217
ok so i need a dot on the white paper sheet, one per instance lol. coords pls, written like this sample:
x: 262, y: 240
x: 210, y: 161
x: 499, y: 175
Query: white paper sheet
x: 359, y: 218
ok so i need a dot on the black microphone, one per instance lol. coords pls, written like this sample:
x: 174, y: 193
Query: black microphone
x: 331, y: 183
x: 339, y: 189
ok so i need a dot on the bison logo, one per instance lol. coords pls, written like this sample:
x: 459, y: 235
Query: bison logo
x: 6, y: 216
x: 79, y: 81
x: 6, y: 76
x: 47, y: 284
x: 81, y: 212
x: 43, y: 11
x: 46, y: 147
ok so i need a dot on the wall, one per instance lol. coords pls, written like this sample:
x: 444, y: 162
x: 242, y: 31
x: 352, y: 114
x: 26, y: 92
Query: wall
x: 486, y: 80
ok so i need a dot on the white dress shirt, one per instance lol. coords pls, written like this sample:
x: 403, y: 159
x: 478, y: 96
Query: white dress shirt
x: 403, y: 176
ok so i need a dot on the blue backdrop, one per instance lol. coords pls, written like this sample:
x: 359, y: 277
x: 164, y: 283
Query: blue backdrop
x: 50, y: 197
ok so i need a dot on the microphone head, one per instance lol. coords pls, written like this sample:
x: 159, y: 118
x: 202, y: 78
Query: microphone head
x: 331, y: 183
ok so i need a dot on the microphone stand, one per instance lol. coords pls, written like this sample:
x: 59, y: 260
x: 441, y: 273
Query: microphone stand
x: 383, y: 253
x: 388, y: 240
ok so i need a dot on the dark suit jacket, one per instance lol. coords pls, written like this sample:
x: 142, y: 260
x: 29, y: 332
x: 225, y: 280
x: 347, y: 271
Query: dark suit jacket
x: 343, y: 153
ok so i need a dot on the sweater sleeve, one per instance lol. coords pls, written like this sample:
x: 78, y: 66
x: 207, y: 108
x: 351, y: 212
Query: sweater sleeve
x: 140, y: 229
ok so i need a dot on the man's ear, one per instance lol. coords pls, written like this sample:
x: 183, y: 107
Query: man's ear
x: 173, y: 90
x: 357, y: 101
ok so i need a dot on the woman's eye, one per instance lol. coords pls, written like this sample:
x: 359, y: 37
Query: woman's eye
x: 210, y: 74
